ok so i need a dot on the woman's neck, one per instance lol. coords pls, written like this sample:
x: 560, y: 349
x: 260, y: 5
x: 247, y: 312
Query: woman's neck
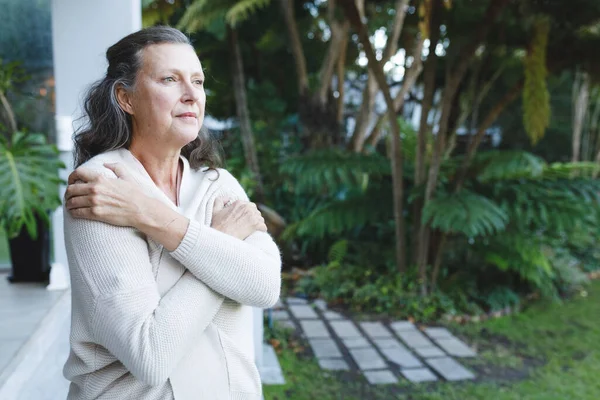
x: 162, y: 167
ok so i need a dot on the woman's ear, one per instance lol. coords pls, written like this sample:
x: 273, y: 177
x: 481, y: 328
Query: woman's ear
x: 124, y: 99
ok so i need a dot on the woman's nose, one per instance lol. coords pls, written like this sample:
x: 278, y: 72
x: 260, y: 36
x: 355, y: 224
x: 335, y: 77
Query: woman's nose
x: 191, y: 93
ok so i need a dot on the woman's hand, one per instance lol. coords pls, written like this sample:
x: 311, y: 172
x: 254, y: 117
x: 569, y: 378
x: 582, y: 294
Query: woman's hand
x: 115, y: 201
x: 239, y: 219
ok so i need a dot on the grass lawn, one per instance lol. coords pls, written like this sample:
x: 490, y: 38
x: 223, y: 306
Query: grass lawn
x: 549, y: 352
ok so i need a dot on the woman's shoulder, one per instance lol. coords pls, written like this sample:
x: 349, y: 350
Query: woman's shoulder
x: 97, y: 162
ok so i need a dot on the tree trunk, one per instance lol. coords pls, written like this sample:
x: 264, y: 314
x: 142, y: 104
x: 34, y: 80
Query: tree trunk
x: 410, y: 78
x: 287, y: 8
x: 370, y: 91
x: 581, y: 100
x: 364, y: 114
x: 338, y: 34
x: 429, y: 73
x: 594, y: 131
x: 341, y: 80
x: 454, y: 78
x: 396, y: 159
x: 492, y: 115
x: 239, y: 88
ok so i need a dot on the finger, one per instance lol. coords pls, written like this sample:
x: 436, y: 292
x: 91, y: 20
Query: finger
x: 78, y: 189
x: 120, y: 171
x: 80, y: 202
x: 83, y: 174
x: 219, y: 204
x: 84, y: 213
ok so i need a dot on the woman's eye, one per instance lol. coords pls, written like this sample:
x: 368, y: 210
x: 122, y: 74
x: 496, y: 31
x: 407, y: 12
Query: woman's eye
x: 199, y: 82
x: 169, y: 79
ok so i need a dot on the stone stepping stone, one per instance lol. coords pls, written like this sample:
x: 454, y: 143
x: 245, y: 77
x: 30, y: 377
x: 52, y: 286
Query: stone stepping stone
x: 355, y: 343
x: 334, y: 364
x: 388, y: 344
x: 438, y: 333
x: 456, y: 347
x: 296, y: 301
x: 367, y: 359
x: 399, y: 326
x: 384, y: 377
x: 345, y: 329
x: 331, y: 315
x: 280, y: 315
x: 320, y: 304
x: 428, y: 352
x: 325, y: 348
x: 401, y: 357
x: 375, y: 330
x: 450, y: 369
x: 301, y: 311
x: 314, y: 329
x: 286, y: 323
x: 419, y: 375
x: 414, y: 338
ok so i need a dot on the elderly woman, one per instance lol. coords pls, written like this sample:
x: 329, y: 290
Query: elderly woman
x: 165, y: 250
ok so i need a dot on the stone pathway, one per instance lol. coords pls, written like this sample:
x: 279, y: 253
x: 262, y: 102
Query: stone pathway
x: 384, y: 353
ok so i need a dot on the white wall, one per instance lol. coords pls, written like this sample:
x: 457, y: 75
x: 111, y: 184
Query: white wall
x: 82, y: 30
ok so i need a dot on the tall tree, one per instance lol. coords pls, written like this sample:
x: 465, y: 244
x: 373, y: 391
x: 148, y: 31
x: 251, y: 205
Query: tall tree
x: 316, y: 109
x: 376, y: 67
x: 200, y: 15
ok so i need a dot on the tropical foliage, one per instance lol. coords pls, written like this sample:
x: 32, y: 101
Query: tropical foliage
x: 465, y: 197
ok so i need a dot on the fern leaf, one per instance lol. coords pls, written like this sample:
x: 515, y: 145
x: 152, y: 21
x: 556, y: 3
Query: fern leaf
x: 505, y: 165
x: 356, y: 211
x: 333, y: 171
x: 242, y: 10
x: 465, y: 212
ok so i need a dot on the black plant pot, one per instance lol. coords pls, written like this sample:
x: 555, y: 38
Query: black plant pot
x: 30, y: 258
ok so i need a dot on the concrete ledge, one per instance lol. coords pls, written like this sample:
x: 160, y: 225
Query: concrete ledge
x: 23, y: 365
x: 270, y: 371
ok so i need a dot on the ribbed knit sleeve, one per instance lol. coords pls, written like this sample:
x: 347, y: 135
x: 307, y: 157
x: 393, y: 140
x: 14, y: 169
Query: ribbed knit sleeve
x: 247, y: 271
x: 122, y: 305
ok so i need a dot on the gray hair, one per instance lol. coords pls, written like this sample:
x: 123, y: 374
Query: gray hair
x: 108, y: 126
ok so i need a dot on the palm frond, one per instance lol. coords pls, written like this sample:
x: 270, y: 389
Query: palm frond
x: 555, y: 205
x: 338, y: 251
x: 354, y: 212
x: 201, y: 14
x: 242, y: 10
x: 465, y: 212
x: 571, y: 170
x: 525, y: 255
x: 505, y: 165
x: 333, y: 171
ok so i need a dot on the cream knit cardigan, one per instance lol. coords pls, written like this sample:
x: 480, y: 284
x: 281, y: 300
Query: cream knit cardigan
x: 147, y: 324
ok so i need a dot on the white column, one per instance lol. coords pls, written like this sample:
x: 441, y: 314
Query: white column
x: 82, y: 30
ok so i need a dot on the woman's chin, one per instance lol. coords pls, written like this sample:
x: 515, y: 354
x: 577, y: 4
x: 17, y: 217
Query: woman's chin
x: 187, y: 137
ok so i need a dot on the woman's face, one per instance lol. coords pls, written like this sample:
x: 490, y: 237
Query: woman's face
x: 167, y: 103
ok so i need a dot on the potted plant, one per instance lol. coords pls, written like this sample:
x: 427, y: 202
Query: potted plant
x: 29, y: 187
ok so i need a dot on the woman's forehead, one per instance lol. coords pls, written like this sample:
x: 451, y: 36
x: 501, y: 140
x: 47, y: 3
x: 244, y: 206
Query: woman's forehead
x: 171, y: 56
